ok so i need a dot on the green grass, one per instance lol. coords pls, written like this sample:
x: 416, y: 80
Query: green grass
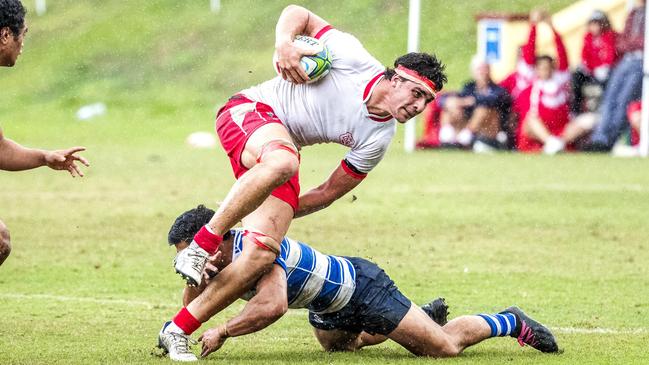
x: 90, y: 277
x: 564, y: 237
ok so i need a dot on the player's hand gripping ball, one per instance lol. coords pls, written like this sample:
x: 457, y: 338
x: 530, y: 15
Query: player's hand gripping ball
x: 318, y: 64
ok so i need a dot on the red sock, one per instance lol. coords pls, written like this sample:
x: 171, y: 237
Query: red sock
x: 186, y: 321
x: 207, y: 240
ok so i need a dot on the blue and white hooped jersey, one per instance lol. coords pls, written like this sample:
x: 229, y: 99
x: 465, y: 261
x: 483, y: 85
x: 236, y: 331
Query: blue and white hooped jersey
x: 318, y: 282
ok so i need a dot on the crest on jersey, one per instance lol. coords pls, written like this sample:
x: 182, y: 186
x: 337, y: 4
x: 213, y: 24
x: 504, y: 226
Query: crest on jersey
x: 347, y: 139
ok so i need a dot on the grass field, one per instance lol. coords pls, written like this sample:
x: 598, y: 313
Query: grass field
x: 90, y: 278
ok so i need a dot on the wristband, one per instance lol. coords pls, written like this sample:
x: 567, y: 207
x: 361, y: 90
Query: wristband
x: 208, y: 240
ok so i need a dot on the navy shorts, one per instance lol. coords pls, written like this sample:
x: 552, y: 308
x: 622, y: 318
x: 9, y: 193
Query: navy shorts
x: 377, y: 305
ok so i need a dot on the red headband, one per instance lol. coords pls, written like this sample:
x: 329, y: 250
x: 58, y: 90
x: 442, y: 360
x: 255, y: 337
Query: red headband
x: 416, y: 77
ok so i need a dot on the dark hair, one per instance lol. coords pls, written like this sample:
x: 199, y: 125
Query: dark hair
x: 425, y: 64
x: 543, y: 58
x: 12, y: 15
x: 600, y: 18
x: 188, y: 224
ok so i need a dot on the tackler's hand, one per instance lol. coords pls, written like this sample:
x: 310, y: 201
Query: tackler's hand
x: 66, y: 160
x: 212, y: 340
x: 211, y: 270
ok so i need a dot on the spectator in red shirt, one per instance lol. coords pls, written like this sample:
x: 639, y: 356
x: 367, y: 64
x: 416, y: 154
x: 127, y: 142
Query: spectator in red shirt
x: 547, y: 112
x: 598, y: 56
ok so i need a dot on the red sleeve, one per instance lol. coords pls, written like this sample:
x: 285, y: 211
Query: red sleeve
x: 608, y: 52
x: 561, y: 51
x: 529, y: 49
x: 586, y: 51
x: 351, y: 170
x: 627, y: 41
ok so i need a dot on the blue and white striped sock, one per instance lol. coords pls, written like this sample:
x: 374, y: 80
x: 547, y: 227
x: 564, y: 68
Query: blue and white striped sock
x: 502, y: 324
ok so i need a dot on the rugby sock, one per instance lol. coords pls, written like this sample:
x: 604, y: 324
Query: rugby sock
x: 171, y: 327
x: 208, y: 240
x: 186, y: 321
x: 501, y: 324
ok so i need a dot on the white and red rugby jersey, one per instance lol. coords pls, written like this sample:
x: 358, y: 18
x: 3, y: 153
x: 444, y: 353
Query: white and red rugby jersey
x: 333, y: 109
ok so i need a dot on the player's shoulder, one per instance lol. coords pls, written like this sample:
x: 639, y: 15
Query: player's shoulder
x: 347, y: 52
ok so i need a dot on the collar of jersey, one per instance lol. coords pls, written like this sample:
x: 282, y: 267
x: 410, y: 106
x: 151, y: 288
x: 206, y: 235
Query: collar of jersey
x: 369, y: 88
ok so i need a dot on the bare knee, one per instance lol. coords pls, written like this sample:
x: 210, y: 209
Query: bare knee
x: 445, y: 349
x: 347, y: 345
x: 261, y: 251
x: 282, y: 165
x: 5, y: 243
x: 280, y: 157
x: 337, y: 340
x: 448, y: 350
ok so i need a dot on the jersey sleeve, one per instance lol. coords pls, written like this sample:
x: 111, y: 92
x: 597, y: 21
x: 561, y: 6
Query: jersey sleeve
x: 528, y: 51
x: 365, y: 157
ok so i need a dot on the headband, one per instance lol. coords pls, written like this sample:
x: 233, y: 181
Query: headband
x: 417, y: 78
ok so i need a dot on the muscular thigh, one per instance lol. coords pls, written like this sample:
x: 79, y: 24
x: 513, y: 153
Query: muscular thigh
x: 420, y: 334
x: 260, y: 137
x: 272, y: 218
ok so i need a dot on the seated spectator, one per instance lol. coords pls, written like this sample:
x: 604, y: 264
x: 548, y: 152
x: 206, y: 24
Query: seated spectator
x: 476, y: 112
x: 546, y: 98
x: 624, y: 85
x: 584, y: 123
x: 515, y: 83
x: 431, y: 120
x: 598, y: 55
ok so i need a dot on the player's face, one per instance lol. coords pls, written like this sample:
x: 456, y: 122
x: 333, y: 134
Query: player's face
x: 181, y: 246
x: 594, y: 28
x: 544, y: 69
x: 481, y: 73
x: 408, y: 99
x: 12, y: 45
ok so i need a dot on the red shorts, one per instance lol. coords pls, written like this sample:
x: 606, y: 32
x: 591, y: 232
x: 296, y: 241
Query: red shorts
x: 236, y: 121
x: 555, y: 121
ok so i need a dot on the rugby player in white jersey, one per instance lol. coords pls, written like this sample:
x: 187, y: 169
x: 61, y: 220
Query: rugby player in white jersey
x: 262, y: 130
x: 352, y: 303
x: 13, y: 156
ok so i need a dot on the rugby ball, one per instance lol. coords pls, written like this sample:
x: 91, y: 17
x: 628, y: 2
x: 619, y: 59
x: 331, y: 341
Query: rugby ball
x: 318, y: 64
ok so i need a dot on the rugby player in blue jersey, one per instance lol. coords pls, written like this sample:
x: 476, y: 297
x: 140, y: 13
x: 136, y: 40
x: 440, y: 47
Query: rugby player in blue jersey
x: 352, y: 303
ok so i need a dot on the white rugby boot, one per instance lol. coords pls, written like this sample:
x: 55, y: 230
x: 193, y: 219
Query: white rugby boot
x: 176, y: 344
x: 190, y: 262
x: 465, y: 137
x: 553, y: 145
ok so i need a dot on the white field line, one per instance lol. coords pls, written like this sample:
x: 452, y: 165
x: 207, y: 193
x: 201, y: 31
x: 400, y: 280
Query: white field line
x: 143, y: 303
x: 533, y: 188
x: 62, y: 298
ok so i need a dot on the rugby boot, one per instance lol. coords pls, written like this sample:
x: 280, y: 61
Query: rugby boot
x: 532, y: 333
x: 437, y: 310
x: 190, y: 262
x: 177, y: 345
